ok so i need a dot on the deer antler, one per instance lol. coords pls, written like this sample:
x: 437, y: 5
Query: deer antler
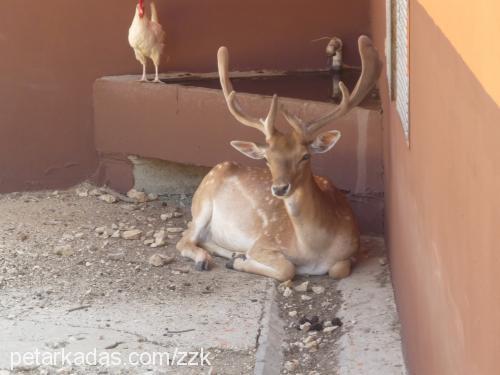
x: 370, y: 72
x: 265, y: 126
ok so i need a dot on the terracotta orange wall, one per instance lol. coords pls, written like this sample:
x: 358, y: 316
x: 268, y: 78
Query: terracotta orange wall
x: 472, y: 29
x: 442, y: 192
x: 53, y: 50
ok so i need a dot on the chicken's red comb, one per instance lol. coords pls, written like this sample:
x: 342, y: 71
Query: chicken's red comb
x: 141, y: 8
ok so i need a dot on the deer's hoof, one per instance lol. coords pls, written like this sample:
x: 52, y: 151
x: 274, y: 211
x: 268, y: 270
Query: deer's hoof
x: 230, y: 264
x: 202, y: 265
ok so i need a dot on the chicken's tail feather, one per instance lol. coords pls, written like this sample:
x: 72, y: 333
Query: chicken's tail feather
x: 154, y: 13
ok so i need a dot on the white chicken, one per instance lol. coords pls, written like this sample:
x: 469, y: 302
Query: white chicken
x: 146, y: 37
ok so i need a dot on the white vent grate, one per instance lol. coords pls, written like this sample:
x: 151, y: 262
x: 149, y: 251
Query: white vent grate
x: 402, y: 77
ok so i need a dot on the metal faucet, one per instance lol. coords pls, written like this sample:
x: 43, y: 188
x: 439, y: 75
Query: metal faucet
x: 335, y: 62
x: 334, y: 53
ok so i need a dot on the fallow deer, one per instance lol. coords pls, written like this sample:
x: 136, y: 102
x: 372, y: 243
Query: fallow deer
x: 281, y: 220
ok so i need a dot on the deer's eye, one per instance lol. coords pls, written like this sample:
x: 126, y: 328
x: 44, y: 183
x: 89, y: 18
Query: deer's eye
x: 306, y: 157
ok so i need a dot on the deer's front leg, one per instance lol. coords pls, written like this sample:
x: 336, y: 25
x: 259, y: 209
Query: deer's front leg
x: 264, y: 262
x: 188, y: 246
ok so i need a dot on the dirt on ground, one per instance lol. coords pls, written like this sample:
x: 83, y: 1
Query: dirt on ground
x: 84, y: 248
x: 308, y: 307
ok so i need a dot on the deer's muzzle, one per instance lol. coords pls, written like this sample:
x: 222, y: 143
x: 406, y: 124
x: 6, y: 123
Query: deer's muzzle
x: 281, y: 190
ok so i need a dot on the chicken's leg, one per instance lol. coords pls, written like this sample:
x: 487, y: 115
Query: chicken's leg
x: 157, y: 79
x: 142, y: 59
x: 144, y: 78
x: 155, y: 57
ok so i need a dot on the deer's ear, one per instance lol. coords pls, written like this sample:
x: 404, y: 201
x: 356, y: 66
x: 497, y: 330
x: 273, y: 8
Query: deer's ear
x: 324, y: 142
x: 249, y: 149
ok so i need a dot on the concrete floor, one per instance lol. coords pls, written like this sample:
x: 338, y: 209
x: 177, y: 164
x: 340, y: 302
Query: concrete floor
x: 371, y: 343
x: 91, y: 301
x: 223, y: 327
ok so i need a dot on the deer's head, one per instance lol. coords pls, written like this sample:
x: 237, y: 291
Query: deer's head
x: 288, y: 155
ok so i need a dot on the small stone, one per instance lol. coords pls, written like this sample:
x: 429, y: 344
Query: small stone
x: 95, y: 192
x: 116, y: 234
x: 64, y: 370
x: 108, y: 198
x: 318, y: 289
x: 152, y: 196
x: 68, y: 237
x: 305, y: 327
x: 56, y: 344
x: 159, y: 238
x: 330, y: 329
x: 305, y: 297
x: 156, y: 260
x: 292, y: 313
x: 178, y: 214
x: 100, y: 230
x: 312, y: 345
x: 310, y: 337
x: 165, y: 217
x: 64, y: 250
x: 82, y: 192
x: 116, y: 256
x: 182, y: 269
x: 382, y: 261
x: 287, y: 292
x: 138, y: 196
x: 175, y: 230
x: 291, y: 365
x: 327, y: 323
x: 149, y: 241
x: 133, y: 234
x: 79, y: 235
x: 302, y: 287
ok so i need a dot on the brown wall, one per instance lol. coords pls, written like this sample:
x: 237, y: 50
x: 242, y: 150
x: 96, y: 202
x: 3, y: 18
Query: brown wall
x: 53, y: 50
x: 443, y: 206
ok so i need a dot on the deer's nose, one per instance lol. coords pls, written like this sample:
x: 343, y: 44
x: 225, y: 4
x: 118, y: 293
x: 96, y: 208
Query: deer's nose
x: 280, y: 190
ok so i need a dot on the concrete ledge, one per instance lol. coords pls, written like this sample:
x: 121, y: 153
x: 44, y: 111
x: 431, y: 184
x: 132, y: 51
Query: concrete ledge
x: 191, y: 126
x: 269, y: 356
